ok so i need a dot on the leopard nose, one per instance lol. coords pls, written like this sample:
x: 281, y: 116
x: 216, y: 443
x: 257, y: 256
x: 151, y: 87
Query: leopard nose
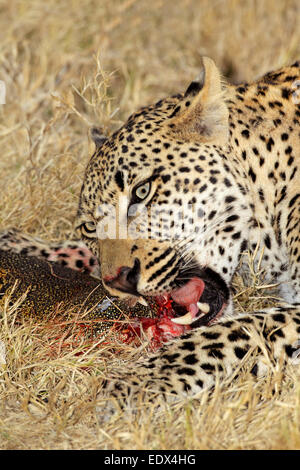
x: 126, y: 279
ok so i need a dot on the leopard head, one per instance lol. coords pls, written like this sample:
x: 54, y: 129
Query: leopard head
x: 161, y: 202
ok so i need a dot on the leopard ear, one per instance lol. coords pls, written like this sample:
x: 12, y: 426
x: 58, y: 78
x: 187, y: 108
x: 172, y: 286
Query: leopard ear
x: 202, y: 115
x: 97, y: 136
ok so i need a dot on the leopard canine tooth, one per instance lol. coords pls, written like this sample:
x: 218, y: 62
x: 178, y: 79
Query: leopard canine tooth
x: 142, y: 301
x: 186, y: 319
x: 201, y: 315
x: 203, y: 307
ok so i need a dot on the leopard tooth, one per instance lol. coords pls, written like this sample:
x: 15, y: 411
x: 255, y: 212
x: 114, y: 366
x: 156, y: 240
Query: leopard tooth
x: 201, y: 315
x: 203, y: 307
x: 142, y: 301
x: 186, y: 319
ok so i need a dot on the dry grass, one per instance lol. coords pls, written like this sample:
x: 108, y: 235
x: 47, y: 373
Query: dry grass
x: 68, y: 65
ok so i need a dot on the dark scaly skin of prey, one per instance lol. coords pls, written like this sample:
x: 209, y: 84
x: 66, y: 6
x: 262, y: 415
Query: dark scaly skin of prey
x: 52, y: 288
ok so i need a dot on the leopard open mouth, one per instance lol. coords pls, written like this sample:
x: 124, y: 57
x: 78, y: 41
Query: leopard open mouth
x: 201, y: 300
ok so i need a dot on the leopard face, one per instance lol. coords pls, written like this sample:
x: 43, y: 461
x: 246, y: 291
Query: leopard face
x: 164, y: 202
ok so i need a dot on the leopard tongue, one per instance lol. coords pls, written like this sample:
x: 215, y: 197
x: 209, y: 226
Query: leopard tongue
x: 188, y: 296
x: 190, y: 293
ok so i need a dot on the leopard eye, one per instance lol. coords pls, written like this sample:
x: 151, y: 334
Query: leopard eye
x: 88, y: 228
x: 142, y: 191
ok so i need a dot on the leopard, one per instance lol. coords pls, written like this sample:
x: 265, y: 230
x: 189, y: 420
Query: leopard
x: 171, y: 201
x: 192, y: 182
